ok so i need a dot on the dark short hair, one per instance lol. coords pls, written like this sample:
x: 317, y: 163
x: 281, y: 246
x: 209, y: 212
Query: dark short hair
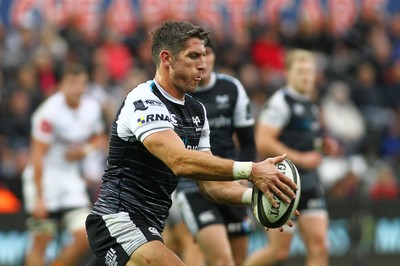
x: 73, y: 68
x: 172, y: 36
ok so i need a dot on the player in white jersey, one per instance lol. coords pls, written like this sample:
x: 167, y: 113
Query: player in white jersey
x: 65, y: 128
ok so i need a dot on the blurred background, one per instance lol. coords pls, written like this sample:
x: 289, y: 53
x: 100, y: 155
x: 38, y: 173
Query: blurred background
x: 357, y: 43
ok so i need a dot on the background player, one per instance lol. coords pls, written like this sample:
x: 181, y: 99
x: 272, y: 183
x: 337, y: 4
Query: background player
x: 289, y: 123
x: 65, y: 128
x: 222, y: 231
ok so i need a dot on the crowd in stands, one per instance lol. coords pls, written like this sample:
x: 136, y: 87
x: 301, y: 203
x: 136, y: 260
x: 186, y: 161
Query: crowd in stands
x: 358, y: 88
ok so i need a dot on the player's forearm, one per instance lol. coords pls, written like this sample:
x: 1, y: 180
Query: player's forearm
x: 273, y: 147
x: 201, y: 166
x: 225, y: 192
x: 38, y: 171
x: 96, y: 142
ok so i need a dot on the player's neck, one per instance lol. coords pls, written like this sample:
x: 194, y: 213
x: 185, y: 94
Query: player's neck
x: 167, y: 86
x: 72, y: 102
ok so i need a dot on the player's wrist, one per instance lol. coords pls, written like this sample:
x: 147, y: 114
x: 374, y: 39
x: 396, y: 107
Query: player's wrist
x: 246, y: 196
x: 242, y: 170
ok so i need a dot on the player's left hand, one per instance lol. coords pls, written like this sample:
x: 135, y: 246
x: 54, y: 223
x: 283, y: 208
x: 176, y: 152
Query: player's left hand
x: 75, y: 153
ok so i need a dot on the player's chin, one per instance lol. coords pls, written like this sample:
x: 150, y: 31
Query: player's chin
x: 193, y: 86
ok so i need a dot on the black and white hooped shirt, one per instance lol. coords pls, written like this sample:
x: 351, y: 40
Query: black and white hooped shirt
x: 135, y: 181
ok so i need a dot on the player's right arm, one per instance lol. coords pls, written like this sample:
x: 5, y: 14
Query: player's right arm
x: 38, y: 152
x: 168, y: 147
x: 42, y: 136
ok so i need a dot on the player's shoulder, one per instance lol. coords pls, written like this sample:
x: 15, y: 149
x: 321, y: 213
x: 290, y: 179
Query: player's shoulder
x: 229, y: 80
x: 53, y: 102
x: 90, y: 101
x: 278, y: 97
x: 141, y: 92
x: 226, y: 77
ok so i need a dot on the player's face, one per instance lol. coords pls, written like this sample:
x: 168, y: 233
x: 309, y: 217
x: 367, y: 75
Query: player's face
x: 74, y: 87
x: 210, y: 62
x: 302, y: 76
x: 188, y: 67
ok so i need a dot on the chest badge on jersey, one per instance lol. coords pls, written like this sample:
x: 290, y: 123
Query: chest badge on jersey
x: 196, y: 120
x: 222, y: 101
x: 139, y: 106
x: 298, y: 109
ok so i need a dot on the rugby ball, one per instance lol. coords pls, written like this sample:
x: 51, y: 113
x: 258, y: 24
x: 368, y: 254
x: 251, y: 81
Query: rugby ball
x: 264, y: 212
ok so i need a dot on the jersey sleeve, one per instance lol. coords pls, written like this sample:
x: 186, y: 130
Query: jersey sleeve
x: 204, y: 142
x: 141, y: 117
x: 242, y: 116
x: 276, y: 111
x: 43, y: 126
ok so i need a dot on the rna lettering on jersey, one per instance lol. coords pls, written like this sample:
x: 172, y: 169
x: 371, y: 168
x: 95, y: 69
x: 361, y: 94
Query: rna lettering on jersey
x: 153, y: 102
x: 153, y: 117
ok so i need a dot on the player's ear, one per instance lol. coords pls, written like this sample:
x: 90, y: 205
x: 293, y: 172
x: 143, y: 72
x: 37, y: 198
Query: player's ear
x: 166, y: 58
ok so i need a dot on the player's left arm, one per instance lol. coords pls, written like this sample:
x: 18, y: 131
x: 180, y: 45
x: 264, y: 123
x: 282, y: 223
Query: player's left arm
x: 98, y: 140
x: 222, y: 192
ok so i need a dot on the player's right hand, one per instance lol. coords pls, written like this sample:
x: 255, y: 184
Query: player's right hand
x: 267, y: 178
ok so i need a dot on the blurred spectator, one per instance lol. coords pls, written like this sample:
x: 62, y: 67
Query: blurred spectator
x: 394, y: 35
x: 81, y: 46
x: 380, y: 50
x: 342, y: 176
x: 114, y: 55
x: 249, y: 74
x: 15, y: 133
x: 20, y: 45
x: 52, y: 42
x: 27, y: 81
x: 312, y: 36
x: 385, y: 185
x: 342, y: 120
x: 369, y: 98
x: 268, y: 54
x: 103, y: 90
x: 392, y: 86
x: 390, y: 145
x: 46, y: 75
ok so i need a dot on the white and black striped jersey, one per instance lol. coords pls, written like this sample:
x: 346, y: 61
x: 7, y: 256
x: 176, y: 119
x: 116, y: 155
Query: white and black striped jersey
x: 228, y: 108
x: 135, y: 181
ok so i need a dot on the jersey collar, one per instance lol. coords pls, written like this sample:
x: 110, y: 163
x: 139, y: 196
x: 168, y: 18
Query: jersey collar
x: 211, y: 83
x: 167, y: 95
x: 296, y: 95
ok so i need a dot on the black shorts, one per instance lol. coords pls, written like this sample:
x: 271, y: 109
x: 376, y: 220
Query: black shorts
x: 198, y: 212
x: 312, y: 199
x: 114, y: 237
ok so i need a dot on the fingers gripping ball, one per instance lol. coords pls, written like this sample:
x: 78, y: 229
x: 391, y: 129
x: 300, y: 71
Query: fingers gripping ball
x: 264, y: 212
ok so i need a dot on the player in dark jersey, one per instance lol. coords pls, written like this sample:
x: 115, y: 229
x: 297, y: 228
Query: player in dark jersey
x: 289, y: 124
x: 222, y: 231
x: 159, y: 134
